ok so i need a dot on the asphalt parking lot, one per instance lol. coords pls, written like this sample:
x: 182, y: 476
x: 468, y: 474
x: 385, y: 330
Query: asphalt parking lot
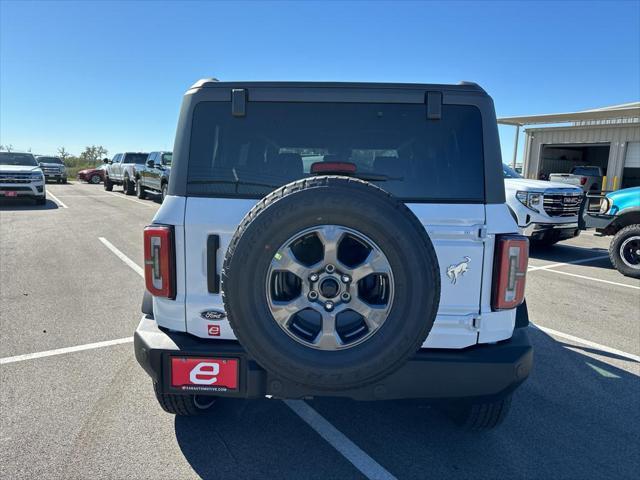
x: 90, y: 412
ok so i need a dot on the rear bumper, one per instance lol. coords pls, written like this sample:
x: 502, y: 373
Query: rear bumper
x: 479, y: 371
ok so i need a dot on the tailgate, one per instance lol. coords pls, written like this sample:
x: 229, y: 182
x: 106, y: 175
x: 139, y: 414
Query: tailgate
x: 567, y: 178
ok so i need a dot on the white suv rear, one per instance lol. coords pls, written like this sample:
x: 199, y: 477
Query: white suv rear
x: 339, y: 240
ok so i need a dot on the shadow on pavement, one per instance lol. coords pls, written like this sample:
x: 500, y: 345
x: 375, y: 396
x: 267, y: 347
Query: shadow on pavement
x: 575, y: 417
x: 567, y: 253
x: 15, y: 204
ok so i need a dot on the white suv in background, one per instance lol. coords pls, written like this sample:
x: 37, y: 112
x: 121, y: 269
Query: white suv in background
x: 547, y: 212
x: 20, y: 176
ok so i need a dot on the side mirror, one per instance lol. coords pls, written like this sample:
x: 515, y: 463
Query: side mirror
x: 106, y: 161
x: 150, y: 163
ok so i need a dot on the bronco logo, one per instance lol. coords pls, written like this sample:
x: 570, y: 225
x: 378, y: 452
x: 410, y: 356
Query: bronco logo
x: 455, y: 271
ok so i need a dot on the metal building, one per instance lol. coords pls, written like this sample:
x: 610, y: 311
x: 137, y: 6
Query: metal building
x: 607, y: 137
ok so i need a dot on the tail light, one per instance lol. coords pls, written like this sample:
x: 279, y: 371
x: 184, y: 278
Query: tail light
x: 583, y: 180
x: 510, y: 271
x: 159, y: 261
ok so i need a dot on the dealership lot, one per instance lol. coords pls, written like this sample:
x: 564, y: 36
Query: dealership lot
x: 69, y: 276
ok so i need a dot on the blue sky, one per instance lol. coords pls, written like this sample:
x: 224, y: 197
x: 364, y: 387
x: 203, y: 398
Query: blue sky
x: 113, y: 73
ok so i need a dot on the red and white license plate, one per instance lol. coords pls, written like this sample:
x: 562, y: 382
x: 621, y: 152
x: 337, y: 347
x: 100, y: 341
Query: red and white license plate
x: 10, y: 194
x: 204, y: 374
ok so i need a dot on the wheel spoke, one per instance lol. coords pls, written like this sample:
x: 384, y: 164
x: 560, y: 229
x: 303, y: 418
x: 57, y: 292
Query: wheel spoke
x: 328, y: 338
x: 374, y: 263
x: 330, y: 236
x: 373, y: 315
x: 282, y: 311
x: 286, y: 260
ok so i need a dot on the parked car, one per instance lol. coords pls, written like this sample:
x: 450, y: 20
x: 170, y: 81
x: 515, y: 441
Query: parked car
x: 547, y: 212
x: 21, y: 176
x: 586, y: 177
x: 92, y: 175
x: 121, y: 170
x: 53, y: 168
x: 154, y: 175
x: 619, y: 216
x: 332, y: 285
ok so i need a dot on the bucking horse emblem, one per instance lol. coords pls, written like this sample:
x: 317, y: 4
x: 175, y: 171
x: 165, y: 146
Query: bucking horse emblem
x: 457, y: 270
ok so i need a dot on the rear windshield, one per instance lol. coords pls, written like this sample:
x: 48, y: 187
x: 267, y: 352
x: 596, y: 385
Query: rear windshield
x: 166, y: 158
x: 594, y: 171
x: 392, y: 145
x: 49, y: 160
x: 23, y: 159
x: 140, y: 158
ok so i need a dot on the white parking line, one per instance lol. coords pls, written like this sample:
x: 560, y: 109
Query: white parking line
x: 134, y: 266
x: 588, y: 343
x: 349, y: 450
x: 55, y: 199
x: 626, y: 285
x: 62, y: 351
x: 148, y: 204
x: 574, y: 262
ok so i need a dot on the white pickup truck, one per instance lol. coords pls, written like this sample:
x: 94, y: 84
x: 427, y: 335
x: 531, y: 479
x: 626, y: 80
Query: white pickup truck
x: 121, y: 170
x: 546, y: 212
x: 586, y: 177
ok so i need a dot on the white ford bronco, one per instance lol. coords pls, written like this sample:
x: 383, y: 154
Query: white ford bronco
x: 336, y: 239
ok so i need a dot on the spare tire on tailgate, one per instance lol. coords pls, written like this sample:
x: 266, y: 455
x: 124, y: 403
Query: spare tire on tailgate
x: 331, y: 282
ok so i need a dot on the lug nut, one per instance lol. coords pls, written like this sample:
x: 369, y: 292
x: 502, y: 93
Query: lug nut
x: 313, y: 295
x: 345, y: 297
x: 346, y: 278
x: 313, y: 277
x: 328, y: 306
x: 330, y: 268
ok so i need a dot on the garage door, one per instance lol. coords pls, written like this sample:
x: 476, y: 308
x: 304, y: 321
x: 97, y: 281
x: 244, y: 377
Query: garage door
x: 632, y: 158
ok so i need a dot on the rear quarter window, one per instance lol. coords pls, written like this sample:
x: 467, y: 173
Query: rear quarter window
x: 416, y: 159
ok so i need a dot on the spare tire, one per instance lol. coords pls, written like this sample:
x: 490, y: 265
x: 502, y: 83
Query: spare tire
x: 331, y: 283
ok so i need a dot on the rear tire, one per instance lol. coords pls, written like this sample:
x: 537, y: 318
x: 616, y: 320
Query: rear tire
x: 183, y: 405
x: 140, y: 191
x: 622, y: 255
x: 95, y: 179
x: 128, y: 187
x: 480, y: 416
x: 108, y: 186
x: 163, y: 191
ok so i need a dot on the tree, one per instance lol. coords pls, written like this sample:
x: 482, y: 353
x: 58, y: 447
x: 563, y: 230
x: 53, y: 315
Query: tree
x: 8, y: 147
x: 93, y: 153
x: 63, y: 154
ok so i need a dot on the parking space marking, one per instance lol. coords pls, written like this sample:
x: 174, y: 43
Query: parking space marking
x: 55, y: 199
x: 134, y: 266
x: 587, y: 343
x: 593, y: 279
x: 349, y: 450
x: 574, y: 262
x: 148, y: 204
x: 62, y: 351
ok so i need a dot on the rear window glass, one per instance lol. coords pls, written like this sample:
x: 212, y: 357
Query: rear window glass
x: 166, y: 158
x: 139, y: 158
x: 392, y: 145
x: 594, y: 171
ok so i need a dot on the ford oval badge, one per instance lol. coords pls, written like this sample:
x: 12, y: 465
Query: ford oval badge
x: 213, y: 315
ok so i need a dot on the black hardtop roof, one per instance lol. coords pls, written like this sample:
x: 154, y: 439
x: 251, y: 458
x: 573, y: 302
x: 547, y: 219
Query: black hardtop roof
x: 213, y: 83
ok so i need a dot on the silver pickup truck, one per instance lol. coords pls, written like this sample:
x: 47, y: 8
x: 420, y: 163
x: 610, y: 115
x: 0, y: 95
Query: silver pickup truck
x: 587, y: 177
x: 121, y: 170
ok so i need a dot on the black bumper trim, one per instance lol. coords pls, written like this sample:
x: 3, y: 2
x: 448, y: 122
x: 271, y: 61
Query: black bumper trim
x: 480, y: 371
